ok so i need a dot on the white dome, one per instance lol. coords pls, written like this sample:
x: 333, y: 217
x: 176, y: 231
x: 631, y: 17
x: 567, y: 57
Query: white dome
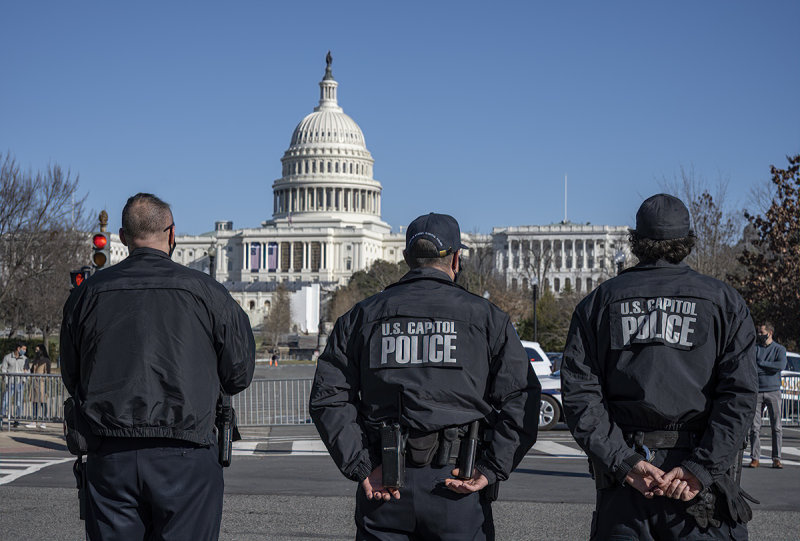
x: 327, y: 169
x: 328, y: 126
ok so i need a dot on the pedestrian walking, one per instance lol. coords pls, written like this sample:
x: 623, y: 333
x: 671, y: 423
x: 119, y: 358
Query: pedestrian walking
x: 659, y: 385
x: 415, y: 376
x: 147, y: 348
x: 771, y: 360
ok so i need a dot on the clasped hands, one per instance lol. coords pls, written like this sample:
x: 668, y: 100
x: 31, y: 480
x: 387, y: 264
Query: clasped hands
x: 678, y: 484
x: 374, y: 489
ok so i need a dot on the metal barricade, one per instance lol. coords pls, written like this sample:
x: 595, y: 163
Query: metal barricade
x: 33, y: 399
x: 273, y: 403
x: 790, y: 401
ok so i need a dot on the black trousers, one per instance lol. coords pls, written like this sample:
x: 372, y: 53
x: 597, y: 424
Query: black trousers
x: 623, y: 514
x: 426, y: 510
x: 153, y: 489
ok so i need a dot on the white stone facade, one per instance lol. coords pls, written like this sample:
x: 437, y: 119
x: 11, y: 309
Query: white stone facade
x: 559, y: 256
x: 326, y: 224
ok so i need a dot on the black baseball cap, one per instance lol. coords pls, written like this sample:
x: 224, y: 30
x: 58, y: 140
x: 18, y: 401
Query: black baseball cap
x: 662, y: 217
x: 442, y: 230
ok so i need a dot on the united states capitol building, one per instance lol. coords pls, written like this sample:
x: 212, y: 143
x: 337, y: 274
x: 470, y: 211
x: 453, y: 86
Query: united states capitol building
x: 326, y: 224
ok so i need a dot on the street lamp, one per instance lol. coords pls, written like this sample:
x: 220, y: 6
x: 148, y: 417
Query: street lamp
x: 619, y: 259
x: 535, y: 290
x: 212, y: 259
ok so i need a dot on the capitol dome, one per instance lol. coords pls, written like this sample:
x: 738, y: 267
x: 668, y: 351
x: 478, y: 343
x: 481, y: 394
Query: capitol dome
x: 327, y: 167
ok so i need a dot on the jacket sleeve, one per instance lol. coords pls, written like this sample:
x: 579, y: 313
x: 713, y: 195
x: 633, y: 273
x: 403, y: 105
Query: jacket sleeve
x: 734, y: 403
x: 584, y: 408
x: 333, y: 405
x: 235, y: 347
x: 514, y: 393
x: 68, y: 349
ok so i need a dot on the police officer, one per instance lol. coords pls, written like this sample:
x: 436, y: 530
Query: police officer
x: 420, y: 362
x: 659, y: 384
x: 146, y: 347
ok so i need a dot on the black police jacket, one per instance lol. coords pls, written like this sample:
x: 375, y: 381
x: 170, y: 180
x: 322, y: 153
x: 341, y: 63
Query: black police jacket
x: 660, y: 347
x: 146, y: 346
x: 444, y: 356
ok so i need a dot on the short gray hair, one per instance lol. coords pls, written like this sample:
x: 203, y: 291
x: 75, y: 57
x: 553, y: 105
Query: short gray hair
x: 145, y: 215
x: 428, y: 249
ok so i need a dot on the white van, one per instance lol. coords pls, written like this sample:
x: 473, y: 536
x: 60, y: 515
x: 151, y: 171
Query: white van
x: 539, y: 361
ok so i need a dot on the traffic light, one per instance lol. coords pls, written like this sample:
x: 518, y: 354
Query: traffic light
x: 77, y: 277
x: 101, y: 244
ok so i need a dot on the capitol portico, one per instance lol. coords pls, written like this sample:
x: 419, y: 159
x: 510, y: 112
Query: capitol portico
x: 326, y: 224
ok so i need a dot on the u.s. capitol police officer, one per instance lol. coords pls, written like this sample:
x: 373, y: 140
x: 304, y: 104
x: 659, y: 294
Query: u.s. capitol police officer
x: 418, y: 363
x: 659, y: 383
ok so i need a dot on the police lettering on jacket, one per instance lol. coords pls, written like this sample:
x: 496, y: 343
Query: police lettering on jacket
x: 413, y: 342
x: 675, y: 322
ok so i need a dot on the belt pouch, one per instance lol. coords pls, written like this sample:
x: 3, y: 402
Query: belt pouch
x: 420, y: 449
x: 447, y: 442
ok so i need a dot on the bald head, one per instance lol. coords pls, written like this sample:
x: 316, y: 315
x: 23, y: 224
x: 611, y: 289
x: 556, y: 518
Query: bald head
x: 147, y: 222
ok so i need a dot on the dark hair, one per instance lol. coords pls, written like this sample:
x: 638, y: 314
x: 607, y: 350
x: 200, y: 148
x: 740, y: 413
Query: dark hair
x: 673, y: 250
x: 42, y: 350
x: 425, y: 246
x: 768, y: 325
x: 145, y: 215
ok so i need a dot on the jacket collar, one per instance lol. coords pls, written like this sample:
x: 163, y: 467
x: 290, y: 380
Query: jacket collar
x: 139, y: 252
x: 658, y: 264
x: 426, y: 273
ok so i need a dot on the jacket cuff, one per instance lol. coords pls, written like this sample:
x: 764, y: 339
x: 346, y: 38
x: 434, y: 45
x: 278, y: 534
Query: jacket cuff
x: 487, y: 472
x: 698, y: 471
x: 362, y: 470
x: 626, y: 466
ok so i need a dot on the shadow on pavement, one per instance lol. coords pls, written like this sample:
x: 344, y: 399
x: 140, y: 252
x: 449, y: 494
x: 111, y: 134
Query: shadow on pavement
x: 40, y: 443
x: 552, y: 473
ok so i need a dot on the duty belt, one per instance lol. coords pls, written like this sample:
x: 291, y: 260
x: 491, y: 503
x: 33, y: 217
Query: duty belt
x: 662, y: 439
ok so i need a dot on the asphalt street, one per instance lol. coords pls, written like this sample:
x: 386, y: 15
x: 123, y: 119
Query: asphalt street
x: 283, y: 486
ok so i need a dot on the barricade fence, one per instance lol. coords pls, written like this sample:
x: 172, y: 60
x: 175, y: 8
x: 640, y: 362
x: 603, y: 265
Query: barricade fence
x: 32, y: 398
x: 39, y: 398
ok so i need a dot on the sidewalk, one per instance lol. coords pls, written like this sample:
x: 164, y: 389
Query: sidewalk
x: 26, y: 441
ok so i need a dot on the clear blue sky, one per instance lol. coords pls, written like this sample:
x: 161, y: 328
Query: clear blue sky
x: 477, y: 109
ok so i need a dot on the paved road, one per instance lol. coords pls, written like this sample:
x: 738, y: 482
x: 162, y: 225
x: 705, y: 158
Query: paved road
x: 283, y: 486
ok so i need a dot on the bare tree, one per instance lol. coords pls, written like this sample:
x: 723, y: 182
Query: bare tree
x: 717, y: 228
x: 42, y: 224
x: 279, y: 320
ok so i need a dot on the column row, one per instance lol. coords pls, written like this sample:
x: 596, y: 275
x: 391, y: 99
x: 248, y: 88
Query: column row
x: 327, y: 199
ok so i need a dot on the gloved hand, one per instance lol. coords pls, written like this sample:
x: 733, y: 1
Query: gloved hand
x: 702, y: 509
x: 734, y: 499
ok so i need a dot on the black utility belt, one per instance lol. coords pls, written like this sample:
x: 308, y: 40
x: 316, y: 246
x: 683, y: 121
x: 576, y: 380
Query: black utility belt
x: 437, y: 448
x: 662, y: 439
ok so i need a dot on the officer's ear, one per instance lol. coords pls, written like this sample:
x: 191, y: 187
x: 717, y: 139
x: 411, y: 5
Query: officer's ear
x: 455, y: 264
x: 122, y: 237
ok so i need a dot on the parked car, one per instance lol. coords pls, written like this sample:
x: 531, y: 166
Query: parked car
x: 551, y: 410
x: 790, y: 387
x: 539, y: 361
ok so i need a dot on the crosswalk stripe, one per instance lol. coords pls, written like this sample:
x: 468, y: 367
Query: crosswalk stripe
x: 552, y: 448
x: 31, y: 466
x: 244, y: 448
x: 308, y: 447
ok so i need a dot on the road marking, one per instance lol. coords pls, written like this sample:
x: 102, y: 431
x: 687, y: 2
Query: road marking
x: 12, y: 469
x: 308, y: 447
x: 784, y: 450
x: 244, y: 448
x: 557, y: 450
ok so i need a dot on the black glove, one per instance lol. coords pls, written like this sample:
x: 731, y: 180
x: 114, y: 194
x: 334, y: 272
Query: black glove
x: 734, y: 504
x: 702, y: 509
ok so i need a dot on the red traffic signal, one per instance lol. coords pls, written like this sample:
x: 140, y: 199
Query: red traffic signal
x: 99, y: 241
x: 101, y: 257
x: 77, y: 277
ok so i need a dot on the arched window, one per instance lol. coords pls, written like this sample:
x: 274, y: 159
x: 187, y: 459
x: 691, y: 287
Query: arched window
x: 556, y: 284
x: 588, y: 284
x: 252, y: 305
